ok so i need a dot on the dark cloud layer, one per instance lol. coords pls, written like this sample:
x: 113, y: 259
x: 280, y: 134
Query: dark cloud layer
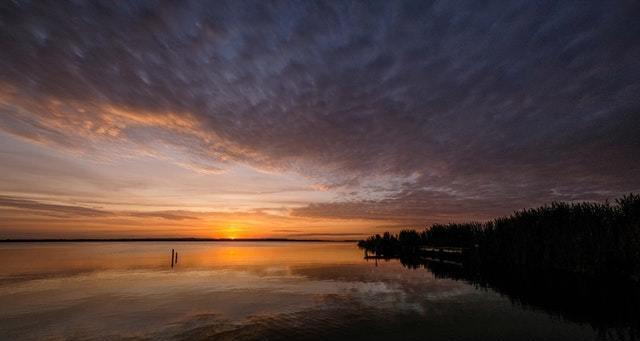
x: 52, y: 209
x: 483, y: 106
x: 35, y: 207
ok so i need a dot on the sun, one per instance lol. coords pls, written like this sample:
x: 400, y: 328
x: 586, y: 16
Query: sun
x: 231, y: 231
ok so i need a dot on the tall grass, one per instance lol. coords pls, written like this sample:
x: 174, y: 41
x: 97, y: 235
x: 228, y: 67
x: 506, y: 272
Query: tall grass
x: 589, y: 238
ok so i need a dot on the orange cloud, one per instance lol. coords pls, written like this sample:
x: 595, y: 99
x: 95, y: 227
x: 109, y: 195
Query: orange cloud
x: 22, y: 217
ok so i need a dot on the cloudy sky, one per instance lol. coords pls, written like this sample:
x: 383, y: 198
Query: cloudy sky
x: 309, y: 119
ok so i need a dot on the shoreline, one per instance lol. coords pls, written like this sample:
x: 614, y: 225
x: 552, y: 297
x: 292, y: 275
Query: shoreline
x: 98, y: 240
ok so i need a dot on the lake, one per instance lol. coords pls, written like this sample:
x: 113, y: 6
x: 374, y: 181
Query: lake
x: 257, y: 291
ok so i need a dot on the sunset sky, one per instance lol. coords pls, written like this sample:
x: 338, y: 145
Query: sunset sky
x: 309, y: 119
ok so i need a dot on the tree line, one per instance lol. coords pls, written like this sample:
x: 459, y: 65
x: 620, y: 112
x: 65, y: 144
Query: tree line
x: 589, y: 238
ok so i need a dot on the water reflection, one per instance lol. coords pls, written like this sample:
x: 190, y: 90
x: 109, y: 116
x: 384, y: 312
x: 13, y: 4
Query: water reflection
x: 249, y: 291
x: 611, y: 306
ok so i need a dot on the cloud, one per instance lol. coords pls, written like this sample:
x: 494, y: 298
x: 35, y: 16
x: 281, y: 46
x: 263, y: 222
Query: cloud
x: 324, y: 235
x: 75, y: 211
x: 52, y: 209
x: 488, y: 107
x: 169, y: 215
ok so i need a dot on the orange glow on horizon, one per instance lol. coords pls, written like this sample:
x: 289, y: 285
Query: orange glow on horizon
x: 233, y: 230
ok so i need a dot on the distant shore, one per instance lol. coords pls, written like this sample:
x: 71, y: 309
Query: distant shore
x: 91, y: 240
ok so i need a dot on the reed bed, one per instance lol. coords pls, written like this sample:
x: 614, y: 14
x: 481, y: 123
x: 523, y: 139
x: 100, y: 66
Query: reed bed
x: 590, y: 238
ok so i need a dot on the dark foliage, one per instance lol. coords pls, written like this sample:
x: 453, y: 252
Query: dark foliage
x: 595, y: 239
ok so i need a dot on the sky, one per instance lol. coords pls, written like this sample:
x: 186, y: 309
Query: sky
x: 309, y: 119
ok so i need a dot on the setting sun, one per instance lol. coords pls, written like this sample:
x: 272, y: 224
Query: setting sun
x: 231, y: 231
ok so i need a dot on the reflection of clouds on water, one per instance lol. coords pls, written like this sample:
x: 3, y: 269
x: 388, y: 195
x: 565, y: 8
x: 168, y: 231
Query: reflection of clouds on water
x: 253, y: 296
x: 236, y: 295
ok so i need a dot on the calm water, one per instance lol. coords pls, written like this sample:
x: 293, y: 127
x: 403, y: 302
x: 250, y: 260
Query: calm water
x: 238, y: 291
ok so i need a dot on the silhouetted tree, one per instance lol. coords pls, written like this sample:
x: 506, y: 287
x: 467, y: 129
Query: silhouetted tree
x: 590, y: 238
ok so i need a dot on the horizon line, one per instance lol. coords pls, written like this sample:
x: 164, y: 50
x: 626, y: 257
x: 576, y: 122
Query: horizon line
x: 187, y: 239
